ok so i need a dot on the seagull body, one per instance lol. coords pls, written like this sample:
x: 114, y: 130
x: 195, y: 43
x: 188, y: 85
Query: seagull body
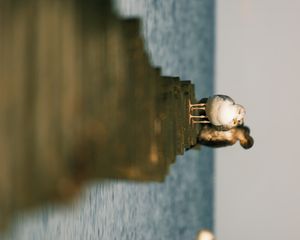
x: 220, y: 111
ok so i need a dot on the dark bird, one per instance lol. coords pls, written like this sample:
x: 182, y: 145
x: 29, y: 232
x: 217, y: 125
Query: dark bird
x: 211, y: 136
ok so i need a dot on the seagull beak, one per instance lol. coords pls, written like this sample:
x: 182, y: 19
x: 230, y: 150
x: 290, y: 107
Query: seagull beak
x: 235, y: 122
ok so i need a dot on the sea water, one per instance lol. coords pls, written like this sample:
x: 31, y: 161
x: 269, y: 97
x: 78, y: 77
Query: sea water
x: 179, y: 37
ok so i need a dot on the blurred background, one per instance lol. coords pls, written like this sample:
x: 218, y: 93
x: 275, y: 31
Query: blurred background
x: 246, y: 49
x: 257, y: 63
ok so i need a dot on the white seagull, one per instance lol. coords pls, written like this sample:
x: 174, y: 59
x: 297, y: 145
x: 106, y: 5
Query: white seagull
x: 220, y: 110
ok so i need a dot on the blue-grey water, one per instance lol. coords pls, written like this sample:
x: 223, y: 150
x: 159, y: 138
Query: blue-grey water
x: 179, y: 37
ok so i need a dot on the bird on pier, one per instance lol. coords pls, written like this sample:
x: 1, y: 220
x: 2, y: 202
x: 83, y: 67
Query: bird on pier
x: 220, y: 111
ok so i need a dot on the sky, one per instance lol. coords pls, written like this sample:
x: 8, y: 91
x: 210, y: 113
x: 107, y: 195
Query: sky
x: 258, y: 65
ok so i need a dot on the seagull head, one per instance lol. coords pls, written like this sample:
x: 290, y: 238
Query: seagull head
x: 247, y: 141
x: 239, y: 115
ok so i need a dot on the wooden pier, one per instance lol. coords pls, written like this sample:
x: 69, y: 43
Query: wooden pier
x: 79, y: 100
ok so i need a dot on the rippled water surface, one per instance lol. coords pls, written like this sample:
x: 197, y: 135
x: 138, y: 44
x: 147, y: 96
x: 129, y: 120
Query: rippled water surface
x: 179, y: 38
